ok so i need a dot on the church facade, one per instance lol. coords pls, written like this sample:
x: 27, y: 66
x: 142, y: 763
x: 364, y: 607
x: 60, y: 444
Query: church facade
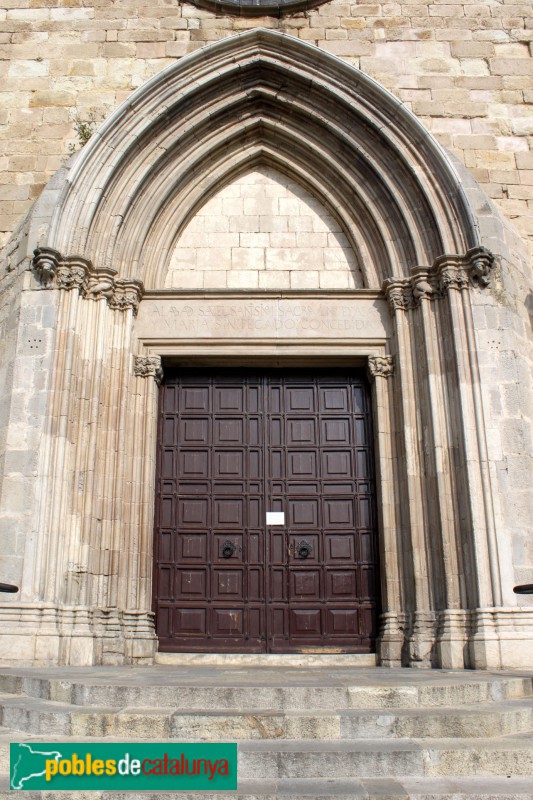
x: 266, y: 350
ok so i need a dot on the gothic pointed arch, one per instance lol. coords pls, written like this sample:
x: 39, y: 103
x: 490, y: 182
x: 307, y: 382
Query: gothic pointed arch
x: 433, y: 306
x: 262, y: 96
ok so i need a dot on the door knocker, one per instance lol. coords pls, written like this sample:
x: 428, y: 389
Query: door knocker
x: 227, y: 549
x: 304, y: 549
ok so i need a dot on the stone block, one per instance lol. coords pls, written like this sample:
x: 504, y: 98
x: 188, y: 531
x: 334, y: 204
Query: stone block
x: 150, y: 50
x: 215, y: 224
x: 258, y: 240
x: 245, y: 224
x: 315, y: 239
x: 20, y: 647
x: 242, y: 279
x: 212, y: 258
x: 249, y: 258
x: 234, y: 206
x: 335, y: 258
x: 302, y: 223
x: 117, y: 50
x: 22, y: 461
x: 221, y: 240
x: 472, y: 49
x: 275, y: 280
x: 190, y: 279
x: 9, y: 530
x: 308, y: 279
x: 511, y: 66
x: 177, y: 49
x: 299, y: 258
x: 184, y: 257
x: 215, y: 280
x: 27, y: 15
x: 348, y: 47
x: 335, y: 280
x: 16, y: 489
x: 53, y: 98
x: 265, y: 206
x: 27, y: 69
x: 284, y: 240
x: 524, y: 160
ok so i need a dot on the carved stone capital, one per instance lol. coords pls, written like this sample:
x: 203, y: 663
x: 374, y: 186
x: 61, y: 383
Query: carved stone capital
x: 127, y: 294
x: 380, y: 366
x: 481, y: 265
x: 421, y: 283
x: 45, y: 263
x: 453, y: 278
x: 148, y: 367
x: 448, y: 272
x: 460, y: 272
x: 399, y: 294
x: 72, y: 273
x: 76, y: 272
x: 101, y: 284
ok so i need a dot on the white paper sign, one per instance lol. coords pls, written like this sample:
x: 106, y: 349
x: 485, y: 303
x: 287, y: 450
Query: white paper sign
x: 275, y: 518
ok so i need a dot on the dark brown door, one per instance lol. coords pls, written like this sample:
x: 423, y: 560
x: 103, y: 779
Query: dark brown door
x: 234, y: 445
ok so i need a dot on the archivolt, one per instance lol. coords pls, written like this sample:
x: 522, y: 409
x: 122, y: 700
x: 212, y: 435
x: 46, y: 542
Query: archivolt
x: 262, y: 96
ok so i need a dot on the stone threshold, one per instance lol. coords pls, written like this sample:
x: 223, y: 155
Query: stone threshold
x: 363, y: 660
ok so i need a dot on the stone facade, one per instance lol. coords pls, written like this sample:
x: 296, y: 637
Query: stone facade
x: 176, y: 232
x: 463, y: 68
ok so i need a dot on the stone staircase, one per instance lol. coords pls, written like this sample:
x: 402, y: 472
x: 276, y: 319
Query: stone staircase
x: 302, y: 732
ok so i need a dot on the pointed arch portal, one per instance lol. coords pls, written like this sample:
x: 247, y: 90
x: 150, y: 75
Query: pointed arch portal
x: 106, y: 233
x: 262, y: 97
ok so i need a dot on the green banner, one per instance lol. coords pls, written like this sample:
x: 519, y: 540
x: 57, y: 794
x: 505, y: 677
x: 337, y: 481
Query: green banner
x: 123, y: 766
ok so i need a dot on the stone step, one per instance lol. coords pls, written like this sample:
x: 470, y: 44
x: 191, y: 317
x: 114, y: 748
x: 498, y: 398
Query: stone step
x: 385, y: 758
x: 285, y: 660
x: 195, y: 688
x: 302, y: 733
x: 48, y: 717
x: 273, y: 760
x: 350, y: 789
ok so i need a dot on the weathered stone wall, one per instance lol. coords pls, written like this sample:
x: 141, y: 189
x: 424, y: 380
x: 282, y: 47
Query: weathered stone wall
x: 10, y: 298
x: 460, y: 422
x: 465, y: 69
x: 503, y: 335
x: 502, y: 324
x: 26, y: 325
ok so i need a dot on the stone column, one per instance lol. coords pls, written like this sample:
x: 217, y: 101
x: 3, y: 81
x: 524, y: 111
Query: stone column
x: 452, y: 537
x: 79, y: 570
x: 482, y: 590
x: 390, y: 641
x: 441, y: 509
x: 410, y: 479
x: 137, y: 499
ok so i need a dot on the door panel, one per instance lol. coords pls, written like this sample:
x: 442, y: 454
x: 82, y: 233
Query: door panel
x: 233, y: 445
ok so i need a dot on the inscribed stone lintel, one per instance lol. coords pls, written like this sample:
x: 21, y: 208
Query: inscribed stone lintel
x: 353, y: 317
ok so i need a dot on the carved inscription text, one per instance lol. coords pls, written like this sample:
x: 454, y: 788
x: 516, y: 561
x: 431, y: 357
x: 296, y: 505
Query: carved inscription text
x: 271, y: 319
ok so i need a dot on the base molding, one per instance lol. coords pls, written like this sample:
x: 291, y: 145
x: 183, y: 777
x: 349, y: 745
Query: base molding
x: 40, y: 634
x: 482, y: 638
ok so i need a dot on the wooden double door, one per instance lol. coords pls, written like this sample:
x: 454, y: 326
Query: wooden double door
x: 265, y: 522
